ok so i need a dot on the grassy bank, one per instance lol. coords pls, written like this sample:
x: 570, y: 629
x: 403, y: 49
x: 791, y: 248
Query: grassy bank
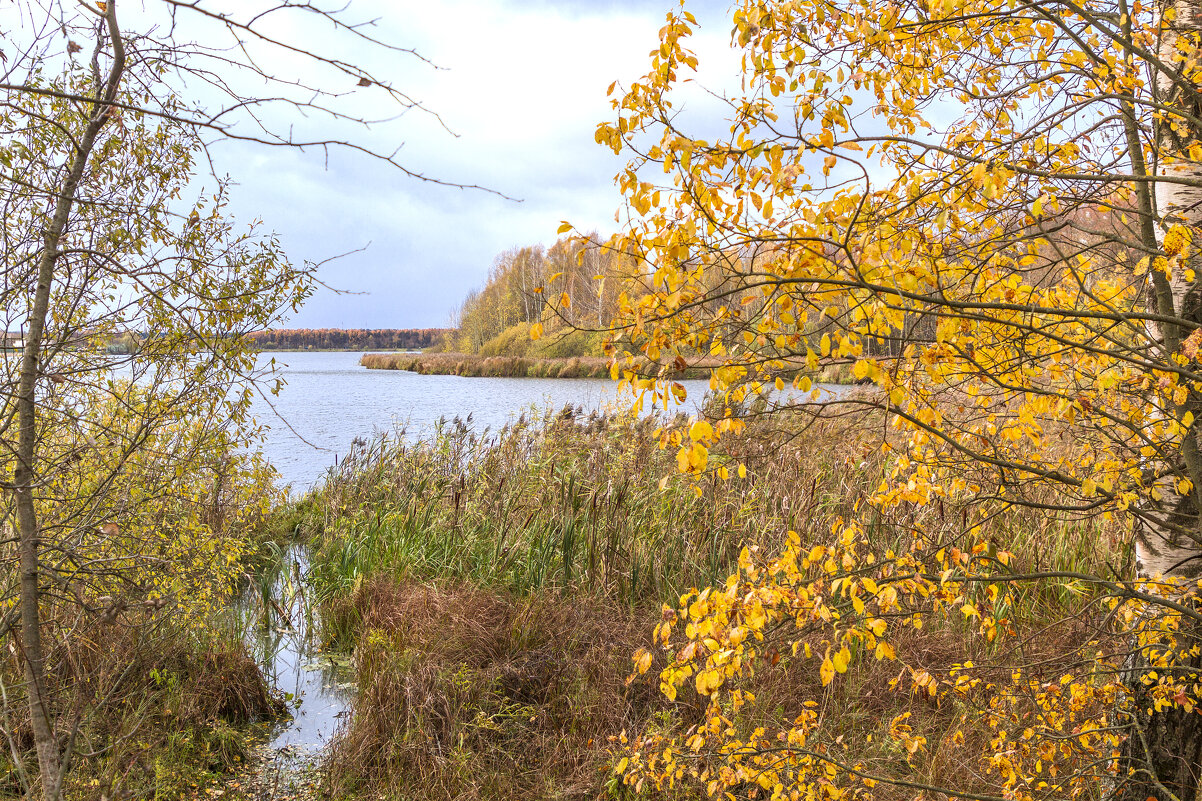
x: 488, y: 366
x: 171, y: 712
x: 494, y: 589
x: 474, y: 693
x: 465, y: 364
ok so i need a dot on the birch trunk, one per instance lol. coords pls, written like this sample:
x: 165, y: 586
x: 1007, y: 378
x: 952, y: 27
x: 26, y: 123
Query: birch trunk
x: 1162, y: 756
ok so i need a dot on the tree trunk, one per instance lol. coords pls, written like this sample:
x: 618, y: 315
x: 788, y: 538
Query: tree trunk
x: 1162, y: 755
x: 25, y: 479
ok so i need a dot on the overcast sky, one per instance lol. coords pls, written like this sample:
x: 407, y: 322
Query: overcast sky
x: 522, y: 84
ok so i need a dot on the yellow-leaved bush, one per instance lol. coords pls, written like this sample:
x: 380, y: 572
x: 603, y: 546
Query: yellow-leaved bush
x: 983, y: 209
x: 160, y: 527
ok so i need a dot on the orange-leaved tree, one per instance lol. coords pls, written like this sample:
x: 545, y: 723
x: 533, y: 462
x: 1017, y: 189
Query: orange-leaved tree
x: 987, y: 209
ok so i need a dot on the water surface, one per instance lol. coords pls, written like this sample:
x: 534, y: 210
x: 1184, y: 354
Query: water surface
x: 329, y: 401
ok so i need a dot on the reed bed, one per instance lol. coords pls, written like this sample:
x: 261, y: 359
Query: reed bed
x: 483, y: 366
x: 589, y: 504
x: 465, y: 364
x: 494, y: 585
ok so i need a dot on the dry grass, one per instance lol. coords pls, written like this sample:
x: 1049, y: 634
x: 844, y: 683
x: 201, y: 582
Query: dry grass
x: 465, y: 364
x: 502, y: 366
x: 492, y: 650
x: 163, y: 709
x: 475, y: 693
x: 468, y: 693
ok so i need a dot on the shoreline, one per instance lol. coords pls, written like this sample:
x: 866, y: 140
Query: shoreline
x: 337, y: 350
x: 476, y: 366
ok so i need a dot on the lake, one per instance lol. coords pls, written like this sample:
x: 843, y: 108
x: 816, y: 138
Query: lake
x: 330, y: 400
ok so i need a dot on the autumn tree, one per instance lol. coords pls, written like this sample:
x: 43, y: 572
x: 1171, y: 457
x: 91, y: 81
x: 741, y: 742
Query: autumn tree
x: 992, y: 204
x: 119, y: 473
x: 585, y: 274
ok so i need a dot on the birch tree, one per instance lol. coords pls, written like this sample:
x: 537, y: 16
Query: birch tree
x: 927, y: 177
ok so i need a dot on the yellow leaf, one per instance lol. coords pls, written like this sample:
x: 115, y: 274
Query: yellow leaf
x: 707, y: 681
x: 536, y: 331
x: 701, y: 430
x: 841, y: 659
x: 564, y: 227
x: 642, y: 660
x: 827, y: 671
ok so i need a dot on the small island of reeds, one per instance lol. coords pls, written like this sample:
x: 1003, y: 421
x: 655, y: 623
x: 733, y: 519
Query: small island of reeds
x: 467, y: 364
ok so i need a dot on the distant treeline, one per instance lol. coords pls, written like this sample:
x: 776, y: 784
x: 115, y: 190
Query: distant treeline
x: 349, y: 338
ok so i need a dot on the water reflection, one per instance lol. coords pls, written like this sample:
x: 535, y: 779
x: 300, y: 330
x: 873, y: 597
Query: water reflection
x: 284, y: 637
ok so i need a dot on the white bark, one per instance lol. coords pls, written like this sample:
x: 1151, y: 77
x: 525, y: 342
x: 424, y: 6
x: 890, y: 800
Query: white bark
x: 1169, y: 539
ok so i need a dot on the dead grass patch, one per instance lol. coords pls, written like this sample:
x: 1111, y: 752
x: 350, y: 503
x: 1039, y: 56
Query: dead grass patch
x: 467, y: 693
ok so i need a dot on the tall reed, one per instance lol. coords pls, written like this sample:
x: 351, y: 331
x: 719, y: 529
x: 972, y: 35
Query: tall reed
x: 557, y: 502
x: 592, y: 504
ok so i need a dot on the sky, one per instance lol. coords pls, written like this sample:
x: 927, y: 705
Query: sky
x: 519, y: 88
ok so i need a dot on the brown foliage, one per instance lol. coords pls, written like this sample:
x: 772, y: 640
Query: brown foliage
x: 468, y: 693
x: 145, y: 683
x: 348, y: 338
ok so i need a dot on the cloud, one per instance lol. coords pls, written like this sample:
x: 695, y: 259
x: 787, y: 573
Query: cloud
x: 522, y: 86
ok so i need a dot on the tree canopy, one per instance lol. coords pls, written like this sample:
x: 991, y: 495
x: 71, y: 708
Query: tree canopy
x: 991, y: 206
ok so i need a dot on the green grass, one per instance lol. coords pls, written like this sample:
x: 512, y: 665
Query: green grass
x: 587, y: 506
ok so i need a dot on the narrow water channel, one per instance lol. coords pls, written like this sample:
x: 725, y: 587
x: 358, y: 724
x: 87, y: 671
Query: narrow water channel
x: 283, y: 635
